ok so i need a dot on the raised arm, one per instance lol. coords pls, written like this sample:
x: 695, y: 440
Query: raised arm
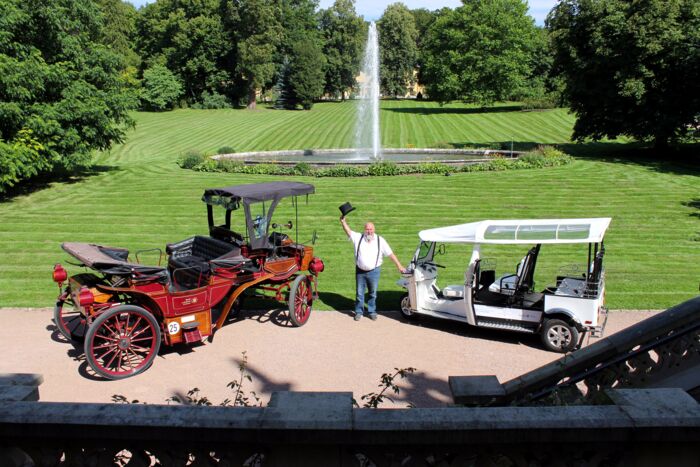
x: 346, y: 228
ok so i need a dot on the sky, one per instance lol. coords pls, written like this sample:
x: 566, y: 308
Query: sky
x: 373, y: 9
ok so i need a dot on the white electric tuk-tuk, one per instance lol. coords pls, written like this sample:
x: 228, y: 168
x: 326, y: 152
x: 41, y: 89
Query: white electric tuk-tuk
x: 562, y: 313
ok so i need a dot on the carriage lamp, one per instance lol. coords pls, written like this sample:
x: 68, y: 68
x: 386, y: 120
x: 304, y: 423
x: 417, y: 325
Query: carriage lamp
x: 85, y: 297
x: 316, y: 266
x: 59, y: 274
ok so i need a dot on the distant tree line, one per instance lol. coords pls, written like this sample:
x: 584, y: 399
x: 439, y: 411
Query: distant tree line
x: 71, y: 70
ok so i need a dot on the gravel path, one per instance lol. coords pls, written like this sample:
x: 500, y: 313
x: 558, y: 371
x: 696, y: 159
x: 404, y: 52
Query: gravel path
x: 330, y: 353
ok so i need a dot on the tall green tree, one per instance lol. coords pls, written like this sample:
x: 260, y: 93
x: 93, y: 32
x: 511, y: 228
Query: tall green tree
x: 188, y: 37
x: 302, y: 65
x: 480, y: 52
x: 343, y: 33
x: 119, y: 30
x: 424, y: 18
x: 306, y: 76
x: 255, y: 29
x: 161, y: 88
x: 630, y: 68
x: 61, y: 93
x: 398, y: 51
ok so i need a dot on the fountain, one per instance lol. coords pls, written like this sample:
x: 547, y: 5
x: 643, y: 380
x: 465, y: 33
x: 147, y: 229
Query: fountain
x: 367, y: 149
x: 367, y: 123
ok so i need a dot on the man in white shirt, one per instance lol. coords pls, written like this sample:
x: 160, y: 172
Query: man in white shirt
x: 370, y: 250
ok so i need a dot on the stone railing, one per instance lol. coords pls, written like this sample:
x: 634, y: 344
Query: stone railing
x: 640, y: 427
x: 661, y: 351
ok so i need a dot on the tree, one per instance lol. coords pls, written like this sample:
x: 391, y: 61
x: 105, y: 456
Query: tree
x: 301, y: 68
x: 255, y: 29
x: 398, y: 53
x: 343, y: 34
x: 480, y: 52
x: 187, y: 36
x: 630, y: 68
x: 119, y: 30
x: 161, y: 88
x: 61, y: 95
x: 306, y: 76
x: 424, y: 18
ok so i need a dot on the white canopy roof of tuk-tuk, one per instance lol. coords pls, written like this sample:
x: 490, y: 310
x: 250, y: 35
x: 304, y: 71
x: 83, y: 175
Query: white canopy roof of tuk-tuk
x: 521, y: 231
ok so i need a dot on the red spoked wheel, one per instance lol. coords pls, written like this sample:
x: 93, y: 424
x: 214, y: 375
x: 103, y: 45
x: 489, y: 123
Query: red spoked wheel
x: 300, y: 300
x: 70, y: 321
x: 122, y: 342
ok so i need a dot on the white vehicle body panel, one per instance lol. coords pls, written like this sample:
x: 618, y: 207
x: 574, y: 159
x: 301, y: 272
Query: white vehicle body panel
x: 572, y: 297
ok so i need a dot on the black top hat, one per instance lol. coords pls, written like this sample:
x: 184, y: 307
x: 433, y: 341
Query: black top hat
x: 346, y: 209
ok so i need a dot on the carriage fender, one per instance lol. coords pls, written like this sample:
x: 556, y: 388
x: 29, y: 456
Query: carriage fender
x: 565, y: 312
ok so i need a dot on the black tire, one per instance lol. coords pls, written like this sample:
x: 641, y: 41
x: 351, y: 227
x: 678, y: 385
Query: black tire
x: 405, y: 307
x: 69, y: 320
x: 559, y: 336
x: 300, y: 300
x: 128, y: 353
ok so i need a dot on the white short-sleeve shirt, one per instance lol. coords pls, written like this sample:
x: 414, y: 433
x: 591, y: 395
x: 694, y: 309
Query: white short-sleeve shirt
x: 370, y: 253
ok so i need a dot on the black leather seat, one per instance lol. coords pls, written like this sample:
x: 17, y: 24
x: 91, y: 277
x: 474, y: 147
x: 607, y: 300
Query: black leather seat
x: 189, y: 259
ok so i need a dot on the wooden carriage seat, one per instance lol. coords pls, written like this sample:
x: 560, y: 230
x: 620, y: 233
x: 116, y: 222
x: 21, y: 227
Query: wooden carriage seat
x: 189, y: 260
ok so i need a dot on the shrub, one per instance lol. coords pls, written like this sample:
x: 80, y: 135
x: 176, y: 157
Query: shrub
x: 212, y: 100
x: 225, y: 150
x: 383, y: 168
x: 443, y: 145
x: 191, y: 159
x: 161, y: 88
x: 302, y: 168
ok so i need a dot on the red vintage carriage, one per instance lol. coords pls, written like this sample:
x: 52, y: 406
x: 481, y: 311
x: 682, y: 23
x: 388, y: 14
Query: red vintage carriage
x: 123, y: 310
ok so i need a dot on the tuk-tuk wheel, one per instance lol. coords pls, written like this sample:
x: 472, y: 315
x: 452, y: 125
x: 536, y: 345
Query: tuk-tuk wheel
x: 559, y: 336
x: 405, y: 307
x: 123, y: 341
x: 69, y: 320
x: 300, y: 300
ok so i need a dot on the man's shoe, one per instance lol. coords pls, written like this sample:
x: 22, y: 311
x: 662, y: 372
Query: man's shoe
x: 357, y: 317
x: 373, y: 317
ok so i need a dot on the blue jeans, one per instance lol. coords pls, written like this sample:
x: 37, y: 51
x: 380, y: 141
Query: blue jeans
x: 366, y: 281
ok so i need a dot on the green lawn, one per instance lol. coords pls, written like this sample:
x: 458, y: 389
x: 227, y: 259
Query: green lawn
x: 140, y: 199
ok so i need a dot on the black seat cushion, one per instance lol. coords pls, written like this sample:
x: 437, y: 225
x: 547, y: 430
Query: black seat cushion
x: 189, y: 259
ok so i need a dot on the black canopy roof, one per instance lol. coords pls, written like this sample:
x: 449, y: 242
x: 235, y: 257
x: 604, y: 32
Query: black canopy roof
x: 261, y: 191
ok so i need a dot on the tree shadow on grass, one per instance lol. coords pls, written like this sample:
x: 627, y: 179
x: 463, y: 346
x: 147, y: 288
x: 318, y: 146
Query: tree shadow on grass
x: 41, y: 182
x: 679, y: 160
x: 695, y: 204
x: 454, y: 110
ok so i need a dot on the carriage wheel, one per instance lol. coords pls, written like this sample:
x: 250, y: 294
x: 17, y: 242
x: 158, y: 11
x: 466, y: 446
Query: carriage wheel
x: 69, y: 320
x: 300, y: 300
x: 123, y: 341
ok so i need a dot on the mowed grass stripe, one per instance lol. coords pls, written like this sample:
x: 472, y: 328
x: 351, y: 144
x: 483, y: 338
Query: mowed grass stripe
x: 146, y: 200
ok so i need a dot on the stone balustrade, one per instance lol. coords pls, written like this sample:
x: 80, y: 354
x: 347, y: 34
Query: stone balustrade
x: 639, y: 427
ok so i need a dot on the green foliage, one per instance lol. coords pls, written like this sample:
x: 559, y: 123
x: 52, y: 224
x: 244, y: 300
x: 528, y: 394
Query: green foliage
x: 630, y: 68
x: 161, y: 88
x: 257, y: 32
x: 387, y: 382
x: 226, y: 150
x: 119, y: 30
x: 397, y: 49
x: 191, y: 159
x: 61, y: 92
x: 188, y: 37
x: 212, y: 100
x: 481, y: 52
x: 539, y: 158
x: 306, y: 76
x: 343, y: 34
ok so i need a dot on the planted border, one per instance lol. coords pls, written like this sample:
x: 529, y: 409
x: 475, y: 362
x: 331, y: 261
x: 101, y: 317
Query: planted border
x: 546, y: 156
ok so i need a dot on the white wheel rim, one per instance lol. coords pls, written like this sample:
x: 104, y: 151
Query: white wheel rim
x: 559, y: 336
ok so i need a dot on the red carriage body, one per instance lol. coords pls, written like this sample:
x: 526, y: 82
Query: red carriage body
x: 124, y: 311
